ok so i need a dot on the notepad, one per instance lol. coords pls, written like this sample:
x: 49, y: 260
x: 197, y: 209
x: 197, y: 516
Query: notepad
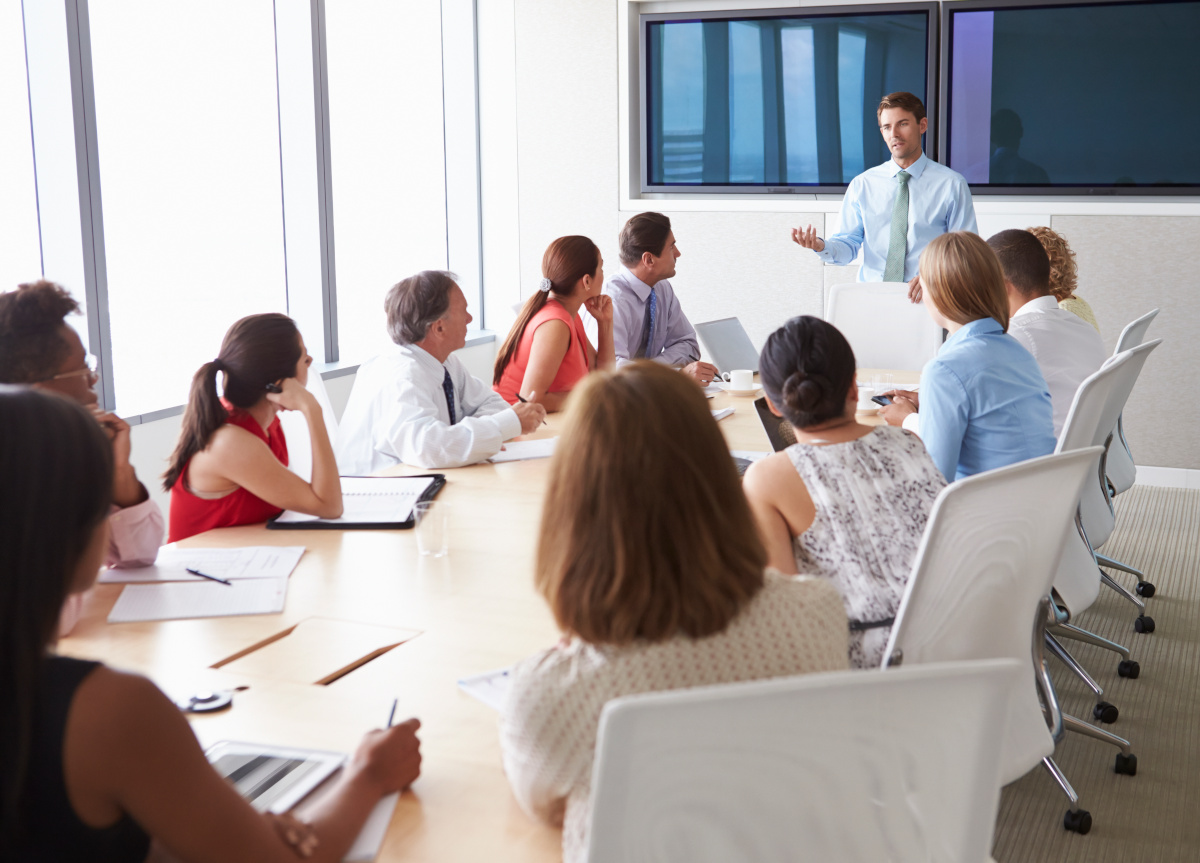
x: 179, y: 600
x: 256, y: 561
x: 721, y: 414
x: 491, y: 687
x: 520, y: 450
x: 370, y: 502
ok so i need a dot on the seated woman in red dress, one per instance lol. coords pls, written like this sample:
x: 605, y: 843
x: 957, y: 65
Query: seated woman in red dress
x: 230, y: 465
x: 547, y: 352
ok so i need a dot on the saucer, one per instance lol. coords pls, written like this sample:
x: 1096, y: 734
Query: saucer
x: 753, y: 391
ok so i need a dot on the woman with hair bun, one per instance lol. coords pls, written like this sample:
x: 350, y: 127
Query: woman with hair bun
x: 230, y: 465
x: 847, y: 501
x: 547, y: 351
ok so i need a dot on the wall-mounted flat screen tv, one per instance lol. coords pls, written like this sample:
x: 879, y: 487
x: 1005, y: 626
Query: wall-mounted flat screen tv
x: 779, y: 100
x: 1074, y: 97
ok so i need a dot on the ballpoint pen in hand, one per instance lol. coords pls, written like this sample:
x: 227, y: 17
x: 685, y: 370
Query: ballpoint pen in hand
x: 525, y: 401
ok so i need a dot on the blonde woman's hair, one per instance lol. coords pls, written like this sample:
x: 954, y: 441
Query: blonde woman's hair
x: 645, y: 531
x: 1063, y: 271
x: 962, y: 277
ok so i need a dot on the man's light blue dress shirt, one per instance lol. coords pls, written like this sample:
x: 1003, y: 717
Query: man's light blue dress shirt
x: 939, y: 202
x: 674, y: 339
x: 984, y: 403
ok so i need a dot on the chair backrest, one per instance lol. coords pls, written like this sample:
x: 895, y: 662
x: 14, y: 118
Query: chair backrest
x: 987, y: 560
x: 1135, y: 332
x: 847, y: 766
x: 1120, y: 467
x: 1098, y: 403
x: 885, y: 329
x: 295, y: 428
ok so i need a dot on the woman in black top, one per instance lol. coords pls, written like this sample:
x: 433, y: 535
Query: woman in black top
x: 96, y: 764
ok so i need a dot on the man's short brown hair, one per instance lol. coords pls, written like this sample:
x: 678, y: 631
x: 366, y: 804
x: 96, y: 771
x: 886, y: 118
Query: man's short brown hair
x: 1023, y: 260
x: 645, y: 232
x: 30, y: 347
x: 628, y: 548
x: 415, y: 303
x: 963, y: 279
x: 904, y: 101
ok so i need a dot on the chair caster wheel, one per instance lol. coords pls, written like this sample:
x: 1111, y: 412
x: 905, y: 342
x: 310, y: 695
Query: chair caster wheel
x: 1129, y: 668
x: 1078, y: 821
x: 1105, y: 712
x: 1145, y: 589
x: 1126, y: 765
x: 1143, y: 624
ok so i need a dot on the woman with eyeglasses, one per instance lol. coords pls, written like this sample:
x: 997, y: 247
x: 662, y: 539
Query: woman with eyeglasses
x: 96, y: 764
x: 230, y: 465
x: 38, y: 347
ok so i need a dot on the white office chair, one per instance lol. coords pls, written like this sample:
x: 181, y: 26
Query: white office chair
x: 1122, y: 472
x: 885, y: 329
x: 1097, y: 405
x: 295, y: 428
x: 848, y: 766
x: 978, y: 591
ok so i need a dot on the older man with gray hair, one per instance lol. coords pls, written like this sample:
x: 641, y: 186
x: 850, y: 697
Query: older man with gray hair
x: 416, y: 403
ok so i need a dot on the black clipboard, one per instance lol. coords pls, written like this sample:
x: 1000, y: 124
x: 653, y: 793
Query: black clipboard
x: 439, y: 482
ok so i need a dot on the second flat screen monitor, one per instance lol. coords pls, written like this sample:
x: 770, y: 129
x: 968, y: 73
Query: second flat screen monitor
x: 777, y: 99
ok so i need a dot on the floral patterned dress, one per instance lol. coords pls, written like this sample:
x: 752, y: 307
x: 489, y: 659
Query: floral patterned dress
x: 872, y: 497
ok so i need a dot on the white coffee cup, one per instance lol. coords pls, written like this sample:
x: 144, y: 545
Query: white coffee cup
x: 741, y: 380
x: 864, y: 398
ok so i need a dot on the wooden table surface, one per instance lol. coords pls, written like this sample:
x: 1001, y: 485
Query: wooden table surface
x: 356, y: 593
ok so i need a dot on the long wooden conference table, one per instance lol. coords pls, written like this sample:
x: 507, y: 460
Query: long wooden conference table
x: 368, y: 620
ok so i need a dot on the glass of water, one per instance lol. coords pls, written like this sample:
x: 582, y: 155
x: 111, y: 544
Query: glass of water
x: 431, y: 527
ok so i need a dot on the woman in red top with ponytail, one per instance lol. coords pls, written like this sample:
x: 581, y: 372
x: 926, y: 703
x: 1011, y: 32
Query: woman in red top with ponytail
x: 230, y: 465
x: 547, y: 352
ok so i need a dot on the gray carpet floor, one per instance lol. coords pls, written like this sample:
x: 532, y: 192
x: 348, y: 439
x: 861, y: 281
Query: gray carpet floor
x: 1155, y: 815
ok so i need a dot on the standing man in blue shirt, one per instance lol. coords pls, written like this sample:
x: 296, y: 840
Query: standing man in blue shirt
x: 893, y: 210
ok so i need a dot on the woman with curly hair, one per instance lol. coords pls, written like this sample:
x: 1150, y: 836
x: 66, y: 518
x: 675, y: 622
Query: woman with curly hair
x: 1063, y: 274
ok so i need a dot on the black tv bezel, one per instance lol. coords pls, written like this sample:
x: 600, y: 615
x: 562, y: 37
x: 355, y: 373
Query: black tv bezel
x: 932, y: 56
x: 1053, y: 190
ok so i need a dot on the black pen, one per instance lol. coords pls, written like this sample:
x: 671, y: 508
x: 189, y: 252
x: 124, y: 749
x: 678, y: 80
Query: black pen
x: 209, y: 577
x: 525, y: 401
x: 392, y: 715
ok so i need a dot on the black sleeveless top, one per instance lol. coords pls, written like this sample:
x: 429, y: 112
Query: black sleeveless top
x: 53, y: 830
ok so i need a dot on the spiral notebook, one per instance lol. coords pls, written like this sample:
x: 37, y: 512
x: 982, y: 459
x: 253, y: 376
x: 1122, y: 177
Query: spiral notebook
x: 370, y: 502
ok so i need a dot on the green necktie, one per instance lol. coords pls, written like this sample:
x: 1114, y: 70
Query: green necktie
x: 893, y: 270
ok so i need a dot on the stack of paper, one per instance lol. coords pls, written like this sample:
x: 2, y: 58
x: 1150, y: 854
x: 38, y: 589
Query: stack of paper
x: 491, y: 687
x: 721, y: 414
x: 257, y: 576
x: 519, y: 450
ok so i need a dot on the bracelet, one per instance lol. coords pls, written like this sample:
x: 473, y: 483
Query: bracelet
x: 301, y: 836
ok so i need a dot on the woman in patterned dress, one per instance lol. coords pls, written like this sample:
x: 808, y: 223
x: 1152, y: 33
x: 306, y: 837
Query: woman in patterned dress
x: 847, y: 502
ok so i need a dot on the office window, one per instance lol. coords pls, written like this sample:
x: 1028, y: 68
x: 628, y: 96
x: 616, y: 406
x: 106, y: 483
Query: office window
x: 800, y: 102
x: 852, y: 53
x: 188, y: 138
x: 746, y: 163
x: 20, y: 250
x: 387, y: 149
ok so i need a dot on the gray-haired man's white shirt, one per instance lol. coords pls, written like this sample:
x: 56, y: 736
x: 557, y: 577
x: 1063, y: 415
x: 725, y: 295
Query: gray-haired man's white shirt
x: 397, y: 412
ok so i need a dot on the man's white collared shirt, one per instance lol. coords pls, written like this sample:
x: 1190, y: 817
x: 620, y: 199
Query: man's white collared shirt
x: 397, y: 412
x: 1067, y: 349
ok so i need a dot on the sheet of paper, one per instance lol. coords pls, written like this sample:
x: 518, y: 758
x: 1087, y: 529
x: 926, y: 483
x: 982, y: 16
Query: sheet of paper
x: 520, y: 450
x: 177, y: 600
x: 372, y: 499
x: 366, y: 846
x: 491, y: 687
x: 713, y: 389
x: 255, y: 561
x: 721, y: 414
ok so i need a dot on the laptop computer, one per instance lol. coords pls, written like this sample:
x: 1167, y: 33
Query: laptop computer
x: 726, y: 344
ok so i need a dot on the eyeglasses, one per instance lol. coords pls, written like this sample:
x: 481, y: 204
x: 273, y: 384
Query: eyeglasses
x: 90, y: 364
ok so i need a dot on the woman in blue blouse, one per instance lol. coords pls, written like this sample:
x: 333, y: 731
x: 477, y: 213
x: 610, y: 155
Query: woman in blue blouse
x: 983, y: 402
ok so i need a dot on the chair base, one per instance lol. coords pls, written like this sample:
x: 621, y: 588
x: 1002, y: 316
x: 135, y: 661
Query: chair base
x: 1068, y: 660
x: 1068, y: 630
x: 1076, y: 820
x: 1144, y: 588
